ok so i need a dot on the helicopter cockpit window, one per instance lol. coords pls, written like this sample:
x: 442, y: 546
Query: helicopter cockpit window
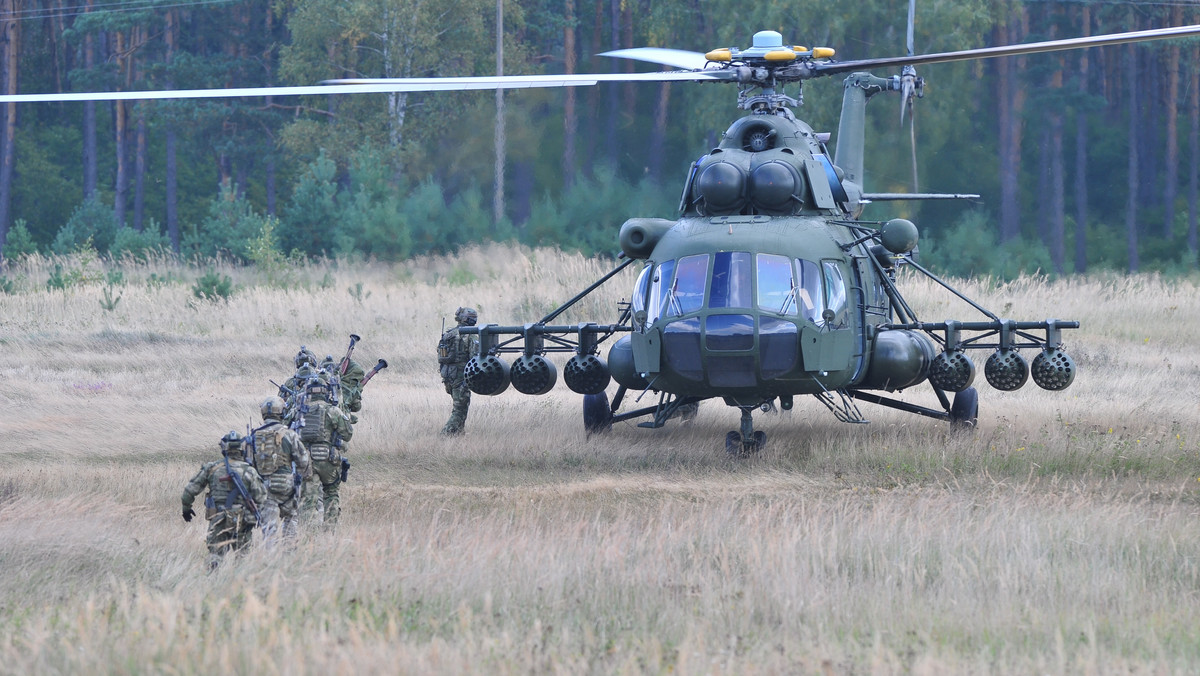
x: 809, y: 298
x: 835, y: 288
x: 777, y: 290
x: 660, y: 282
x: 686, y: 292
x: 640, y: 289
x: 731, y: 280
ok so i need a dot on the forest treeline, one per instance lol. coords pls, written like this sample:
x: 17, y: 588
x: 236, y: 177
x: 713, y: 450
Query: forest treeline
x: 1084, y: 159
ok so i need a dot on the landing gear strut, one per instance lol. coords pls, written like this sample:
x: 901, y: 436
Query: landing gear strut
x: 746, y: 442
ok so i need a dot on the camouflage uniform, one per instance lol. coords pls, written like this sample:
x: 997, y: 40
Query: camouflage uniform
x: 282, y: 460
x: 231, y: 519
x: 324, y: 429
x: 351, y: 384
x: 454, y: 350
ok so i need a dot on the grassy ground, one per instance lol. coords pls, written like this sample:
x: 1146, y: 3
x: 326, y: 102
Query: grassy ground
x: 1060, y: 537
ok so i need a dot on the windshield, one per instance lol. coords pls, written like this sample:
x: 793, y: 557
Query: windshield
x: 686, y: 293
x: 776, y: 288
x: 808, y: 290
x: 731, y: 280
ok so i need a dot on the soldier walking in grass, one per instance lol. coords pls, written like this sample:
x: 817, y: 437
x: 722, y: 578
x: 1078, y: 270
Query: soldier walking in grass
x: 282, y: 461
x: 324, y: 428
x: 236, y: 501
x: 454, y: 350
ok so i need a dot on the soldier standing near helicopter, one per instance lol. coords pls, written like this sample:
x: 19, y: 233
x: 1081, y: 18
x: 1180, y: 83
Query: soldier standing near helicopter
x: 454, y: 350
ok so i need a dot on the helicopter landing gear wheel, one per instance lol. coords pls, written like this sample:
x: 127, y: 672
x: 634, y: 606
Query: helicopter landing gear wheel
x: 747, y: 442
x: 964, y: 412
x: 597, y: 416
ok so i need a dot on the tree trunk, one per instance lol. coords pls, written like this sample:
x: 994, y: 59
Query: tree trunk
x: 614, y: 101
x: 1171, y: 179
x: 1081, y: 156
x: 500, y: 140
x: 10, y: 34
x: 122, y: 132
x: 658, y: 136
x: 1131, y: 206
x: 90, y: 171
x: 1193, y: 240
x: 1011, y: 103
x: 172, y: 175
x: 139, y: 173
x: 570, y: 122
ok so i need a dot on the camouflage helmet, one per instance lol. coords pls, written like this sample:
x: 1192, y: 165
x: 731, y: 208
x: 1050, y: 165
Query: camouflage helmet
x: 272, y: 408
x: 318, y: 388
x: 305, y: 356
x: 466, y: 316
x: 328, y: 365
x: 231, y: 442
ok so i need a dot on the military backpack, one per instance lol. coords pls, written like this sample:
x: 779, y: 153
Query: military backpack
x: 269, y: 456
x: 452, y: 349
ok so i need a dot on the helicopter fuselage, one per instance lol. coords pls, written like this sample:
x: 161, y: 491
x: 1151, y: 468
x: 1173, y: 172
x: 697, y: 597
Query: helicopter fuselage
x: 749, y: 308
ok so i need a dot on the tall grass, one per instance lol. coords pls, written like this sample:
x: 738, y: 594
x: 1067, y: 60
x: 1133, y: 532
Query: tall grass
x: 1060, y: 537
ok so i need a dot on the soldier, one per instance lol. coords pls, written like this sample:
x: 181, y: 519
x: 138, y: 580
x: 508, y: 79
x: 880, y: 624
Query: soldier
x: 306, y: 368
x: 236, y: 501
x: 282, y: 461
x: 324, y: 428
x: 454, y: 350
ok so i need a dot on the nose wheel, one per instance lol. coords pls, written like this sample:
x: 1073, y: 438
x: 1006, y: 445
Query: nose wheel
x: 745, y: 442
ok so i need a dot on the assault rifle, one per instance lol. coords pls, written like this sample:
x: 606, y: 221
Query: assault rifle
x: 354, y: 338
x: 297, y: 483
x: 240, y: 488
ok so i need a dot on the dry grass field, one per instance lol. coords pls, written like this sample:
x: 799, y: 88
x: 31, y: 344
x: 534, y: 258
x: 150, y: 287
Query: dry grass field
x: 1062, y: 536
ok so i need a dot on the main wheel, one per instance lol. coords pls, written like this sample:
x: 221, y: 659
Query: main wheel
x: 964, y: 411
x: 733, y: 444
x: 597, y: 416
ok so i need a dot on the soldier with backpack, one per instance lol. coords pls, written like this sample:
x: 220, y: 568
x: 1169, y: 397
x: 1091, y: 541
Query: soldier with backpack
x: 282, y: 461
x: 454, y: 350
x: 324, y: 428
x: 236, y: 501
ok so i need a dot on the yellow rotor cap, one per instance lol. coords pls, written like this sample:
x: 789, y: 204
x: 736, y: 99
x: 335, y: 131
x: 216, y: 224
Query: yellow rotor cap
x: 719, y: 55
x: 780, y: 55
x: 822, y: 52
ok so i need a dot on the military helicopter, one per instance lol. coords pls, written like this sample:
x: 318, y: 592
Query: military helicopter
x: 768, y: 285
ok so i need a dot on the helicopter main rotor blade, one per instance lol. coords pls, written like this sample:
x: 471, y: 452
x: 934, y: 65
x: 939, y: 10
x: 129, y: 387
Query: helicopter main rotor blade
x: 676, y: 58
x: 384, y: 85
x: 1009, y: 50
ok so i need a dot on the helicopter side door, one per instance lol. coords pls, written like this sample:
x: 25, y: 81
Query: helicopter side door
x: 827, y: 345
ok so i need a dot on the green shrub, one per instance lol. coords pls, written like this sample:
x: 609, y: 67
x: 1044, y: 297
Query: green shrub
x: 92, y: 224
x: 213, y: 286
x: 19, y: 242
x: 136, y: 244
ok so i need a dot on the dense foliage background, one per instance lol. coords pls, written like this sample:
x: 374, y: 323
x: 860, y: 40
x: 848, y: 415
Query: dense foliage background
x: 1085, y: 159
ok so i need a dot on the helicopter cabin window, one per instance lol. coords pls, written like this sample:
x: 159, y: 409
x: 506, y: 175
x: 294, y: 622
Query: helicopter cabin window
x: 731, y: 280
x: 777, y: 290
x: 640, y: 289
x: 660, y: 281
x: 835, y: 288
x: 808, y: 290
x: 686, y: 293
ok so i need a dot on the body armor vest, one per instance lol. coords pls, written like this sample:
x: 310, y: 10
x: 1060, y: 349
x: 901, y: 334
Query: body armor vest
x: 269, y: 456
